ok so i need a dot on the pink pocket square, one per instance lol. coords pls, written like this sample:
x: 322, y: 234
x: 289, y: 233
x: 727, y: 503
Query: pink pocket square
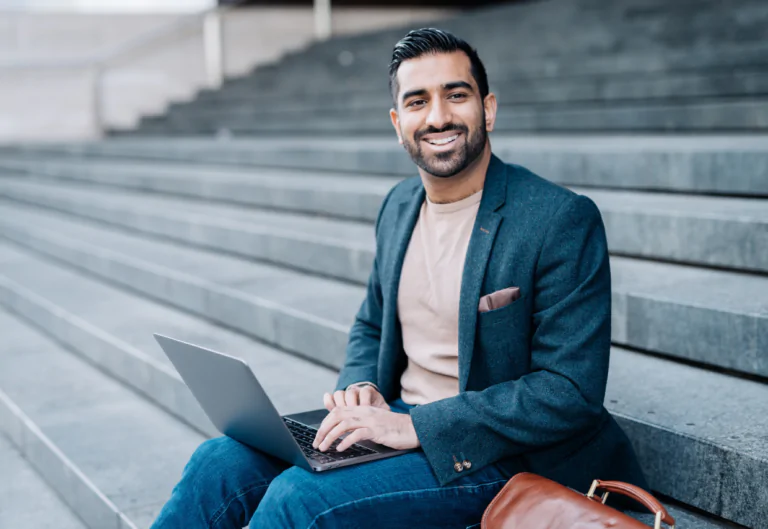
x: 498, y: 299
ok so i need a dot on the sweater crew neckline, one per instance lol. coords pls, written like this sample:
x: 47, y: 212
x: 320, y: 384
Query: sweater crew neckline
x: 452, y: 207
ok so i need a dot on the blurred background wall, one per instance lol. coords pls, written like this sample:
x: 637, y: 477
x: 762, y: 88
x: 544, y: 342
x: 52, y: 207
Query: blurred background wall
x: 70, y: 68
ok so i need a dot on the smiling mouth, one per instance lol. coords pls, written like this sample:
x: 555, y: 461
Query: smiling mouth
x: 443, y: 141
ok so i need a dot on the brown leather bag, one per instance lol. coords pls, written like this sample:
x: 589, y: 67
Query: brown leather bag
x: 529, y: 501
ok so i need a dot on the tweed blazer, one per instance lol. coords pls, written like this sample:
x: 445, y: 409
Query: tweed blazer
x: 532, y: 373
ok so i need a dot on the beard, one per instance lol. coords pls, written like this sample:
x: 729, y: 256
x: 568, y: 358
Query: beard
x: 449, y: 163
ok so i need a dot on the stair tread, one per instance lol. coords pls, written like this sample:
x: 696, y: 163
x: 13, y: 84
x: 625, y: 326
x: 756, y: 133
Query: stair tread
x: 690, y: 163
x: 594, y: 142
x: 686, y: 284
x: 293, y: 384
x: 659, y: 392
x: 325, y: 299
x: 65, y: 423
x: 140, y: 171
x: 347, y: 305
x: 134, y: 173
x: 713, y: 301
x: 715, y: 231
x: 90, y: 418
x: 25, y: 499
x: 340, y: 232
x: 639, y: 384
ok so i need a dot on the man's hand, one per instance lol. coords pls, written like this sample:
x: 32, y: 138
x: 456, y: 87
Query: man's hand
x: 355, y: 396
x: 391, y: 429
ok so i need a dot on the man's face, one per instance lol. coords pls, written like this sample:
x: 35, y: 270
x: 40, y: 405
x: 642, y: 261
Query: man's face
x: 441, y: 119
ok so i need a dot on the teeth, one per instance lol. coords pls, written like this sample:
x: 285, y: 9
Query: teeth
x: 443, y: 141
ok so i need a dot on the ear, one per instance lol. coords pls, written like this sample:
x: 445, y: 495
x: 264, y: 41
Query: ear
x: 396, y: 123
x: 490, y: 111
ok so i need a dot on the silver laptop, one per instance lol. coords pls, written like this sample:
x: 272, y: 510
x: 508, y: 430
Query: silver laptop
x: 233, y: 399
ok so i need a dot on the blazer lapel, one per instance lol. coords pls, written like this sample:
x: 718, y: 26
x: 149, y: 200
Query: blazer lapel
x: 479, y: 249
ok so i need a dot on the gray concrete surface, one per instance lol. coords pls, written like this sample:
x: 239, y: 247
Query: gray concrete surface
x: 121, y: 342
x: 262, y: 300
x: 722, y: 317
x: 630, y: 395
x: 724, y: 232
x: 256, y: 103
x: 696, y: 115
x: 25, y: 499
x: 128, y: 448
x: 691, y: 164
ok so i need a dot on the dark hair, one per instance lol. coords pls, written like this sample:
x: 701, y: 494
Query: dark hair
x: 422, y: 41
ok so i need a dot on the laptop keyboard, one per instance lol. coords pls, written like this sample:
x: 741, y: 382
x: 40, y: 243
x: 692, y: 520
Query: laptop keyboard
x: 304, y: 435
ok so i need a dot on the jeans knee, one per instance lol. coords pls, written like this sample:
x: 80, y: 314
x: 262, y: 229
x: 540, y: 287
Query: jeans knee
x: 293, y: 499
x: 216, y: 461
x: 207, y: 453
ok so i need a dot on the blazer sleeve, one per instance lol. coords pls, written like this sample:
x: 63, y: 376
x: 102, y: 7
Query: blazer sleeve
x: 562, y: 396
x: 362, y: 353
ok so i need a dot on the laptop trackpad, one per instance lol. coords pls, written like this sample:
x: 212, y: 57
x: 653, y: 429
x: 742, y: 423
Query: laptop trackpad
x: 311, y: 418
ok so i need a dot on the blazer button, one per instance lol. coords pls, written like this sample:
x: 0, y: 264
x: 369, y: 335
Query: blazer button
x: 467, y: 464
x: 457, y: 467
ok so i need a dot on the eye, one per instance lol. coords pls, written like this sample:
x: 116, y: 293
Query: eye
x: 415, y: 102
x: 457, y: 96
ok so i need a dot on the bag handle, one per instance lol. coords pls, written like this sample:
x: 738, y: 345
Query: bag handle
x: 637, y: 494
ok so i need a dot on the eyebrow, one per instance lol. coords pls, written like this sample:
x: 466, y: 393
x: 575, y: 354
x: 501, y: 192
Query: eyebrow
x: 447, y: 86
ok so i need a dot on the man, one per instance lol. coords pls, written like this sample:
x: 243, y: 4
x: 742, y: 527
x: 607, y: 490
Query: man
x: 483, y: 338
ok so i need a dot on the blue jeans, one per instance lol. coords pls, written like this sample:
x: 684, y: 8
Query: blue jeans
x: 227, y: 485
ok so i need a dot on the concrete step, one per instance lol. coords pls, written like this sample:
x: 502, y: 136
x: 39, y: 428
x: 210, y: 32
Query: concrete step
x: 655, y: 73
x: 127, y: 452
x: 38, y: 305
x: 653, y: 398
x: 713, y: 231
x: 684, y: 424
x: 511, y: 58
x: 691, y: 164
x: 113, y: 329
x: 690, y: 114
x: 340, y: 249
x: 321, y: 193
x: 343, y: 99
x: 722, y: 317
x: 63, y: 319
x: 263, y: 301
x: 25, y: 499
x: 507, y: 61
x: 685, y: 519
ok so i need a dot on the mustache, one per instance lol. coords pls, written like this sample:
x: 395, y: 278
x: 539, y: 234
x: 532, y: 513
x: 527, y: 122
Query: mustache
x: 432, y: 130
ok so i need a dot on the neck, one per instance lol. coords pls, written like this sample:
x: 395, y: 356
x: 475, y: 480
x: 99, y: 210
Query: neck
x: 461, y: 185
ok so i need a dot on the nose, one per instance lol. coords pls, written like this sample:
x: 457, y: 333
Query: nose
x: 439, y: 114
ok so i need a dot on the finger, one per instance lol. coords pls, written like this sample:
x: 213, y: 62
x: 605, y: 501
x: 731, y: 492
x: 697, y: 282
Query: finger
x: 366, y: 394
x: 337, y: 431
x: 328, y: 401
x: 361, y: 434
x: 338, y: 397
x: 330, y: 421
x: 350, y: 397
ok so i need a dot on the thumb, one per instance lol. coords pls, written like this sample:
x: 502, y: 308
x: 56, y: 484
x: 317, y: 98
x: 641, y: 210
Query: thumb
x: 381, y: 403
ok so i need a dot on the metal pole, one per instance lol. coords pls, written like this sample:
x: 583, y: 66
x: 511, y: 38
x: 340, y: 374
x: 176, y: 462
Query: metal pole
x: 97, y: 99
x: 323, y: 23
x: 213, y: 42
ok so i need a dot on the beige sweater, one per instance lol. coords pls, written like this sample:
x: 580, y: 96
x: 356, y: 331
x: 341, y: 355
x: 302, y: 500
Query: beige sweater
x: 428, y: 298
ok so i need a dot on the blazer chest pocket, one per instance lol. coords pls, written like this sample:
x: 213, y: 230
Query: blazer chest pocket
x: 510, y: 313
x: 502, y: 342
